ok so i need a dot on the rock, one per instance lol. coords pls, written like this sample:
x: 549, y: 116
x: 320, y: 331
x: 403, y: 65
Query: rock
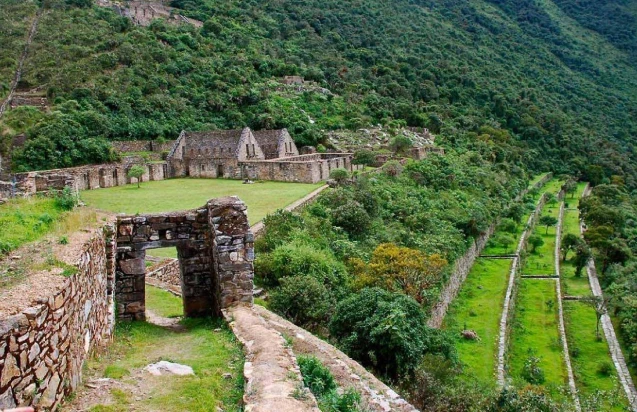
x: 470, y: 335
x: 227, y: 376
x: 9, y: 371
x: 6, y: 399
x: 166, y: 368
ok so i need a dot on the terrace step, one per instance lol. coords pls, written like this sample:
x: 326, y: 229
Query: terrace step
x: 499, y: 256
x: 569, y: 297
x: 539, y: 277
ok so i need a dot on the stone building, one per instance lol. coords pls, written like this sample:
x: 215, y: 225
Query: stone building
x: 218, y: 153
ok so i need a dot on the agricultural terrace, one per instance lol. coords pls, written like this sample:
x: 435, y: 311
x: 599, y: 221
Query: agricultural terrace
x: 590, y: 357
x: 478, y: 306
x: 261, y: 198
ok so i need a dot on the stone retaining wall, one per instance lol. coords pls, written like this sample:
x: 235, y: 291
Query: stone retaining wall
x: 170, y: 273
x: 42, y: 349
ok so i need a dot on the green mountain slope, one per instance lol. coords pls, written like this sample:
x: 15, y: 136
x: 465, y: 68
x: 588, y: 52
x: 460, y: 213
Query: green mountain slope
x: 528, y: 81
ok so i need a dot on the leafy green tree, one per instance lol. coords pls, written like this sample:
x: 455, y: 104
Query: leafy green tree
x: 303, y: 300
x: 569, y: 243
x: 516, y: 212
x: 364, y: 157
x: 582, y: 255
x: 507, y: 225
x: 352, y: 217
x: 339, y: 175
x: 400, y: 144
x: 570, y: 187
x: 381, y: 329
x: 136, y: 172
x: 599, y: 304
x: 548, y: 221
x: 535, y: 241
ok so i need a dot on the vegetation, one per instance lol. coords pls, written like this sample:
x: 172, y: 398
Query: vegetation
x: 136, y: 172
x: 26, y: 220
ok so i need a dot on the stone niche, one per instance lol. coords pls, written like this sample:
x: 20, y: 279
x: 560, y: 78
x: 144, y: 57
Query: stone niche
x: 215, y: 251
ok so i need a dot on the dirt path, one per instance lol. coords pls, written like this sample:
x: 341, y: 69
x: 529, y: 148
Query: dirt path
x: 273, y: 378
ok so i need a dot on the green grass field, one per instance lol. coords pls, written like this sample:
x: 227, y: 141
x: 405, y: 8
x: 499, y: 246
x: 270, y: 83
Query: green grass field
x: 479, y: 307
x: 209, y: 353
x: 26, y: 220
x: 535, y: 330
x: 183, y: 194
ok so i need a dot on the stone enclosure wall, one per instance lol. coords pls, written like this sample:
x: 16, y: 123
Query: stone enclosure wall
x: 42, y: 349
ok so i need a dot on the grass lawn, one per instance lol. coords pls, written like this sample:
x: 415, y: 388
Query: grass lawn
x: 572, y: 285
x: 535, y: 330
x: 209, y: 353
x: 588, y: 354
x: 479, y: 307
x: 182, y: 194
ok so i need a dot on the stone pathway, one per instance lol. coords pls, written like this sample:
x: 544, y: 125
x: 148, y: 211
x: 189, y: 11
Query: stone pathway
x: 273, y: 380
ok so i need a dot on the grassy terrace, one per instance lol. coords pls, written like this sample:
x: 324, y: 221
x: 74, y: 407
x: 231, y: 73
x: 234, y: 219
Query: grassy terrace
x: 535, y: 331
x: 183, y: 194
x: 540, y: 262
x: 588, y: 353
x: 537, y: 179
x: 478, y: 307
x: 137, y: 344
x: 26, y: 220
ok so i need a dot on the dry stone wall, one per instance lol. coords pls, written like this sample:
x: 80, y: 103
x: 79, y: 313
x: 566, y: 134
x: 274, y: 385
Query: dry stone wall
x: 42, y: 349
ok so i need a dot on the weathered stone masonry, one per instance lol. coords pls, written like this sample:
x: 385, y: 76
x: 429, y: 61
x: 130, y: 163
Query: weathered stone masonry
x: 42, y: 349
x: 215, y: 250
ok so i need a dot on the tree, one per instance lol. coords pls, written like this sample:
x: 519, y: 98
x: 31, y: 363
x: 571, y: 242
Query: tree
x: 548, y: 221
x: 516, y: 212
x: 400, y: 144
x: 352, y: 218
x: 569, y: 243
x: 582, y: 256
x: 393, y: 168
x: 364, y: 157
x: 599, y: 304
x: 507, y: 225
x: 505, y: 240
x: 570, y: 187
x: 381, y: 329
x: 136, y: 172
x: 339, y: 175
x: 535, y: 241
x: 401, y: 269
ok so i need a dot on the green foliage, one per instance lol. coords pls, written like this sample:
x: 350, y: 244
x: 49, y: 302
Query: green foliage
x: 340, y: 175
x: 364, y: 157
x: 507, y: 225
x: 532, y: 372
x: 136, y: 172
x: 548, y: 221
x: 605, y: 368
x: 65, y: 199
x: 393, y: 168
x: 352, y: 217
x: 316, y: 376
x: 400, y: 144
x: 381, y: 329
x: 303, y: 300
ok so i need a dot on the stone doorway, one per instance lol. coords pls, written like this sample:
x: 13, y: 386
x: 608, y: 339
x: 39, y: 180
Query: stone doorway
x: 219, y: 170
x: 215, y: 251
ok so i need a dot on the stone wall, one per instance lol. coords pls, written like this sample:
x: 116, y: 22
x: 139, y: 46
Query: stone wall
x: 311, y: 168
x: 131, y: 146
x: 215, y: 249
x: 42, y: 349
x: 169, y: 273
x: 461, y: 268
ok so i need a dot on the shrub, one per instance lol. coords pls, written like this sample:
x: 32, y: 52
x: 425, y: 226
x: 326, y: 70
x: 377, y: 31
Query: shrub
x: 381, y: 329
x: 65, y: 199
x: 400, y: 144
x: 507, y: 225
x: 605, y: 368
x: 393, y: 168
x: 352, y: 217
x: 316, y: 376
x: 364, y: 157
x: 303, y: 300
x: 279, y: 227
x: 64, y: 240
x: 339, y: 175
x: 531, y: 371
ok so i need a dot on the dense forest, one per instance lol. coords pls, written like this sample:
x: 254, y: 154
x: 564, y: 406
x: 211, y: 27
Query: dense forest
x: 537, y: 82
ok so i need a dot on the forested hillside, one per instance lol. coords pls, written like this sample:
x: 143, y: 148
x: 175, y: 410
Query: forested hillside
x: 550, y: 84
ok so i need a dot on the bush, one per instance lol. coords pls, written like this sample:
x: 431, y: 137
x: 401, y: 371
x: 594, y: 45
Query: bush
x: 297, y: 258
x: 303, y: 300
x: 352, y: 218
x: 65, y: 199
x: 316, y: 376
x: 393, y: 168
x: 339, y: 175
x: 364, y: 157
x: 381, y: 329
x: 531, y: 371
x: 605, y: 368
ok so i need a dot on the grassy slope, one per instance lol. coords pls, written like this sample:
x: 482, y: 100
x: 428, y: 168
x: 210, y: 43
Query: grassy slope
x: 183, y: 194
x: 211, y: 354
x: 478, y: 307
x: 577, y: 286
x: 15, y: 19
x: 161, y: 302
x: 26, y: 220
x: 540, y: 262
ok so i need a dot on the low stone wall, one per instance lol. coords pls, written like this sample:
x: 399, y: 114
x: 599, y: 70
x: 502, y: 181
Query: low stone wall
x: 170, y: 273
x: 461, y: 268
x: 42, y: 349
x: 131, y: 146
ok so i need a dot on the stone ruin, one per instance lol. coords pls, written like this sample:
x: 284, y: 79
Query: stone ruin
x: 215, y: 250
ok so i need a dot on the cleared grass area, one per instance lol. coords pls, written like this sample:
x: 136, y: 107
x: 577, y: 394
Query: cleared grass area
x: 183, y: 194
x: 209, y: 353
x: 540, y: 261
x: 592, y: 364
x: 162, y: 303
x: 479, y: 307
x: 571, y: 284
x: 535, y: 331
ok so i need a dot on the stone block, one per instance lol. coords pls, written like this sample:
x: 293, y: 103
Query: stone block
x: 133, y: 266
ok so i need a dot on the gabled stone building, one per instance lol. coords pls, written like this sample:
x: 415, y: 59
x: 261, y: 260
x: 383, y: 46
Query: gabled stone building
x: 218, y: 153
